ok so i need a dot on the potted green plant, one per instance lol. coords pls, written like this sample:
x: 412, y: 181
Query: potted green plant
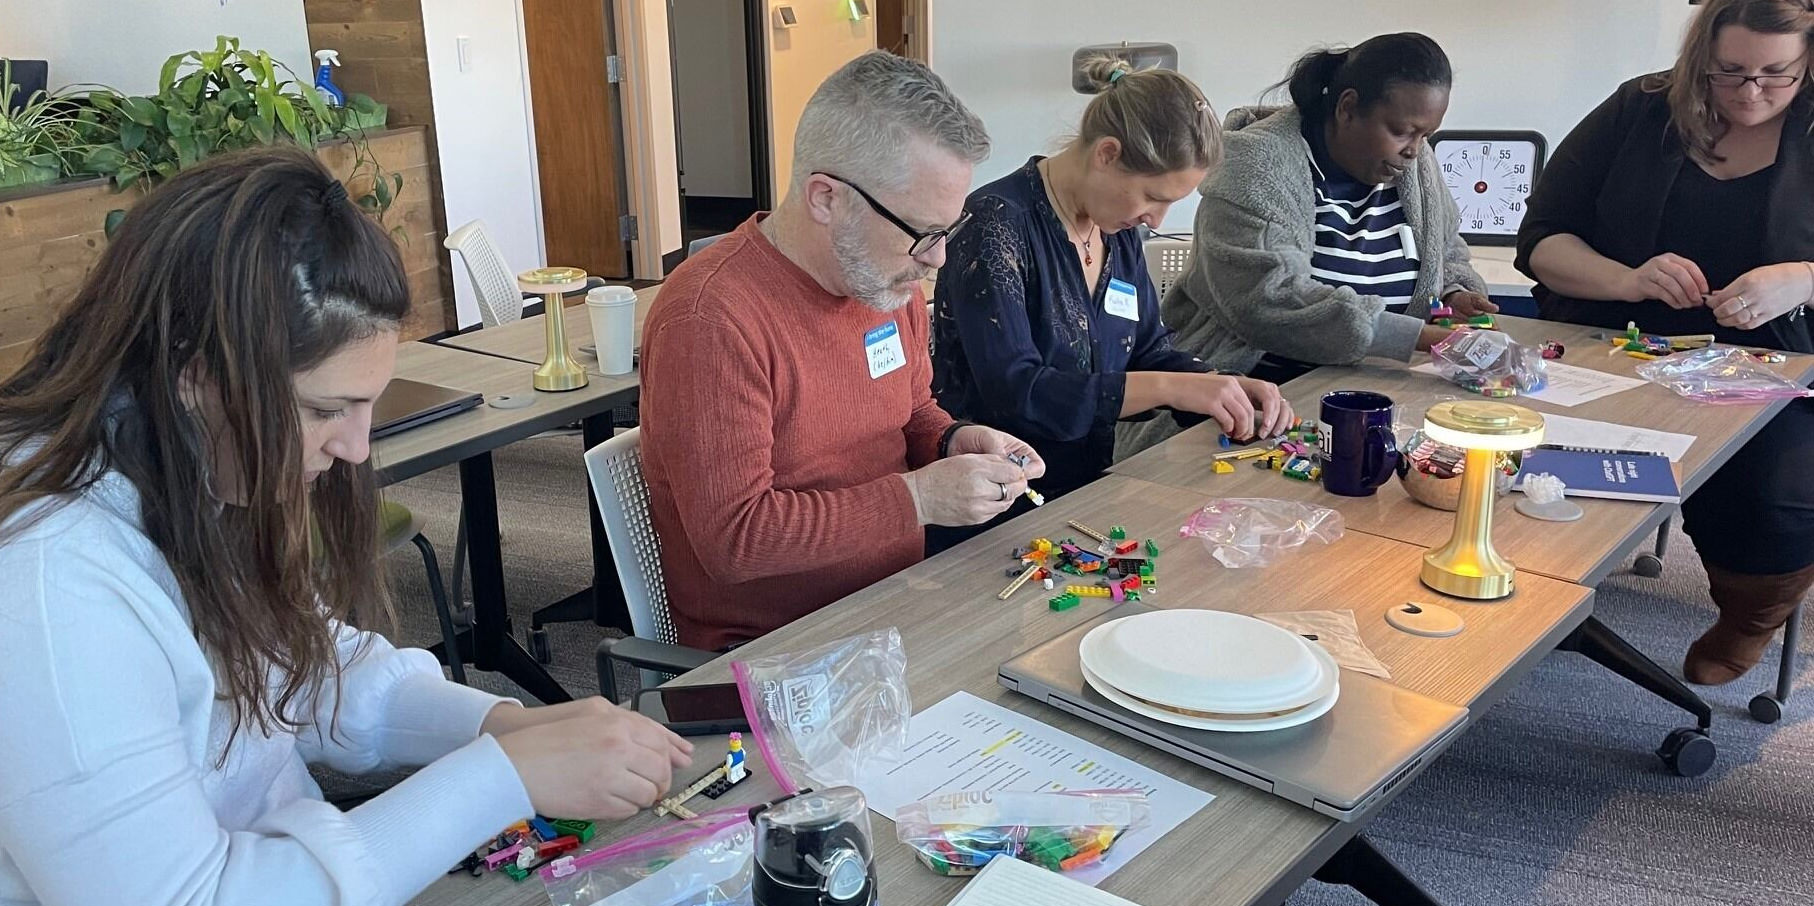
x: 35, y: 138
x: 228, y: 98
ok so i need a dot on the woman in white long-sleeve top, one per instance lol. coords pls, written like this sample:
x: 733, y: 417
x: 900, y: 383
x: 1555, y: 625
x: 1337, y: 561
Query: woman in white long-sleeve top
x: 172, y: 651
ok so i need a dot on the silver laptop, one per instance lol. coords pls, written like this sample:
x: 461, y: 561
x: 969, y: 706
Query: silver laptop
x: 404, y: 404
x: 1376, y: 737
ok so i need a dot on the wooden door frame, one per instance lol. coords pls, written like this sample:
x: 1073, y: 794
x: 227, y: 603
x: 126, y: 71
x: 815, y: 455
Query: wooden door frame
x: 755, y: 55
x: 640, y: 32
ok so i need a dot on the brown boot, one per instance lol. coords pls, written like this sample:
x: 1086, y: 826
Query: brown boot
x: 1752, y: 608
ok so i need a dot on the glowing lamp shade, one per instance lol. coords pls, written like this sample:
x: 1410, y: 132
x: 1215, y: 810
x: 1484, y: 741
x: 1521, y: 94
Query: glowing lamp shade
x: 1467, y: 566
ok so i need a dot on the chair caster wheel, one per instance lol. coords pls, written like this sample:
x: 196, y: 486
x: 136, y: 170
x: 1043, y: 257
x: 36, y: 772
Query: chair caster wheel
x: 1766, y: 710
x: 1648, y: 566
x: 539, y: 647
x: 1688, y: 752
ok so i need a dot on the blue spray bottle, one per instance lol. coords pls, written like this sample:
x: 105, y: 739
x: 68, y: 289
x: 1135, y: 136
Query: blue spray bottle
x: 325, y: 61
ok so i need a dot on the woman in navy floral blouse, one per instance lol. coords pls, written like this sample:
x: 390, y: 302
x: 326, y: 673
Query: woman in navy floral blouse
x: 1046, y: 323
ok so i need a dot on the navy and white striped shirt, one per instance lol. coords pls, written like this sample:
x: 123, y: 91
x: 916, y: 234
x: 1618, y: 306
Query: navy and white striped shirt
x: 1361, y: 238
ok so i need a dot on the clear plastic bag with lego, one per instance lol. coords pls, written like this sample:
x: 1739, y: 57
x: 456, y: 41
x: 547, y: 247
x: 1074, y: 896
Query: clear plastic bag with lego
x: 959, y: 833
x: 831, y: 715
x: 703, y: 861
x: 1257, y: 531
x: 1489, y: 363
x: 1720, y: 375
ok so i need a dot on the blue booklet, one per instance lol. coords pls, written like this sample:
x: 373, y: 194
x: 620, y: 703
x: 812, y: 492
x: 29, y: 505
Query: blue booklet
x: 1616, y: 476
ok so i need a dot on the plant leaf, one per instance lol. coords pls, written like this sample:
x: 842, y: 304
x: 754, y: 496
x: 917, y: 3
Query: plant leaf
x: 286, y: 114
x: 180, y: 123
x: 105, y: 160
x: 167, y: 76
x: 132, y: 135
x: 143, y: 111
x: 262, y: 127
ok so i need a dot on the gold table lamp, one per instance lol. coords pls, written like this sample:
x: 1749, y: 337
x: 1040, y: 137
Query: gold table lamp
x: 558, y: 371
x: 1467, y: 566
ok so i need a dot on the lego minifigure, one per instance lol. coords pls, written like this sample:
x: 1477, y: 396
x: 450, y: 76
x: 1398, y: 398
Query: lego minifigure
x: 734, y: 770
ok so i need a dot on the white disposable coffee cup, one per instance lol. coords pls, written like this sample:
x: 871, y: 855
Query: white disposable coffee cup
x: 613, y: 313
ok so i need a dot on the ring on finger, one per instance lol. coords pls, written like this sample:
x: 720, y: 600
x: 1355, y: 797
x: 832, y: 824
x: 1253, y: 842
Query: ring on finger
x: 1004, y: 491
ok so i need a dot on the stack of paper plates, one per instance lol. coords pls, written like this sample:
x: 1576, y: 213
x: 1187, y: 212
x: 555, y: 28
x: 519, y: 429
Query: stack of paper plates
x: 1210, y: 670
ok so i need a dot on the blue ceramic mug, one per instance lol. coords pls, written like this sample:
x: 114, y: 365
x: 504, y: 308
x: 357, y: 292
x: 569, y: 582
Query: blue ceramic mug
x: 1359, y: 451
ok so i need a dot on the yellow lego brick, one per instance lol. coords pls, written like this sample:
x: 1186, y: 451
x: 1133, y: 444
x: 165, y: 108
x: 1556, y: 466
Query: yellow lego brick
x: 1224, y: 468
x: 1087, y: 591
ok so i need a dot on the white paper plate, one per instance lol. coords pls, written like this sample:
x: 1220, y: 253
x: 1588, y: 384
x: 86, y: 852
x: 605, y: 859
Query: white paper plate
x: 1207, y: 660
x: 1254, y: 724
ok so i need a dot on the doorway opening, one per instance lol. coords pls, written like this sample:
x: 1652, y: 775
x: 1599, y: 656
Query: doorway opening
x: 721, y: 113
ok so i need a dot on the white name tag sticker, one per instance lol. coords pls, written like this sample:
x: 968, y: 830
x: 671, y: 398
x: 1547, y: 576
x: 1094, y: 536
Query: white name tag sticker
x: 882, y: 346
x: 1122, y: 300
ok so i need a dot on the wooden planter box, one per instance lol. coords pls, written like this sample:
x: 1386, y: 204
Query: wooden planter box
x: 51, y: 236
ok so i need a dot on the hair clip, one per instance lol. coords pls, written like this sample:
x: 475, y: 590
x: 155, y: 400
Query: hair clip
x: 1116, y: 75
x: 1202, y: 105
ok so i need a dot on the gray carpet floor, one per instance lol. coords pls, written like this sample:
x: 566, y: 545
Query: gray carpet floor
x: 1553, y: 797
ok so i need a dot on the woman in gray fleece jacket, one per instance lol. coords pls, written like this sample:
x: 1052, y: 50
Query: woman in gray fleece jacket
x: 1327, y: 229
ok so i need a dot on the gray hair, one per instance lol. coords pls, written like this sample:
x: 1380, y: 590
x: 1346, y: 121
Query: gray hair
x: 860, y: 123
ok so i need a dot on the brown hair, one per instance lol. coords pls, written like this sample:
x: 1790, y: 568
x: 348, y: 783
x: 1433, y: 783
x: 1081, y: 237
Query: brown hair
x: 1160, y: 118
x: 245, y: 269
x: 1691, y: 108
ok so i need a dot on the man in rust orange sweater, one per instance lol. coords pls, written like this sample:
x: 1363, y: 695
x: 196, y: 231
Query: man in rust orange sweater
x: 789, y: 436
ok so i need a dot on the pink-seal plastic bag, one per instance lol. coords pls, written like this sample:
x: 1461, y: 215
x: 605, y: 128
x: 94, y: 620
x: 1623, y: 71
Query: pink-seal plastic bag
x: 828, y: 716
x: 703, y: 861
x: 1720, y: 375
x: 1489, y: 363
x: 1257, y: 531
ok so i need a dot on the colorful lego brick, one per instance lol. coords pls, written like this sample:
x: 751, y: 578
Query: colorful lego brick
x: 1224, y: 468
x: 1087, y: 591
x: 1225, y: 441
x: 1047, y: 582
x: 1117, y: 533
x: 1152, y: 548
x: 572, y: 827
x: 1128, y: 547
x: 1132, y: 596
x: 1085, y: 857
x: 1090, y: 566
x: 503, y: 856
x: 1146, y: 569
x: 1064, y: 601
x: 1116, y: 593
x: 556, y: 846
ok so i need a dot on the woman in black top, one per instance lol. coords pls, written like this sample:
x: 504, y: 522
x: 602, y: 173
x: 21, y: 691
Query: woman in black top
x: 1683, y: 203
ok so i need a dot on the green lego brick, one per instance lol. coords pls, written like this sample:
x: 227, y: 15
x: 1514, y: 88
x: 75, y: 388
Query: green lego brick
x: 1152, y: 548
x: 515, y: 873
x: 1065, y: 601
x: 581, y: 829
x: 1117, y: 533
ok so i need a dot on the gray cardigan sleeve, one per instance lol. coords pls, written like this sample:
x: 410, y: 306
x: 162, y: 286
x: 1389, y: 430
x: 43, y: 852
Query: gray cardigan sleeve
x: 1258, y: 270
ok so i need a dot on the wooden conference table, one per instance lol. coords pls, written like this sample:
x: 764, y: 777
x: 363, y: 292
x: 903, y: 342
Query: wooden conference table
x: 525, y: 340
x: 468, y: 439
x: 1583, y: 552
x: 1246, y: 847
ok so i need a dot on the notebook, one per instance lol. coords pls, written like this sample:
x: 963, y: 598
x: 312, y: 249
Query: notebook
x: 1614, y: 476
x: 1011, y: 882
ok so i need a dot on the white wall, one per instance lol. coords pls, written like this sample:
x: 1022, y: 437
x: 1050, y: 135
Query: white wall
x: 713, y: 97
x: 484, y: 131
x: 1535, y: 64
x: 123, y: 43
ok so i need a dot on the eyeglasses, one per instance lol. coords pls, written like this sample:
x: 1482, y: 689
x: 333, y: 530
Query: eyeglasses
x: 1737, y: 80
x: 923, y: 240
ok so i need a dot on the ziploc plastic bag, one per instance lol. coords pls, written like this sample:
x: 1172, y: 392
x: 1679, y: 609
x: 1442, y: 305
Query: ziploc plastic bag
x: 830, y: 715
x: 1257, y: 531
x: 1489, y: 363
x: 703, y: 861
x: 959, y: 833
x: 1720, y: 375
